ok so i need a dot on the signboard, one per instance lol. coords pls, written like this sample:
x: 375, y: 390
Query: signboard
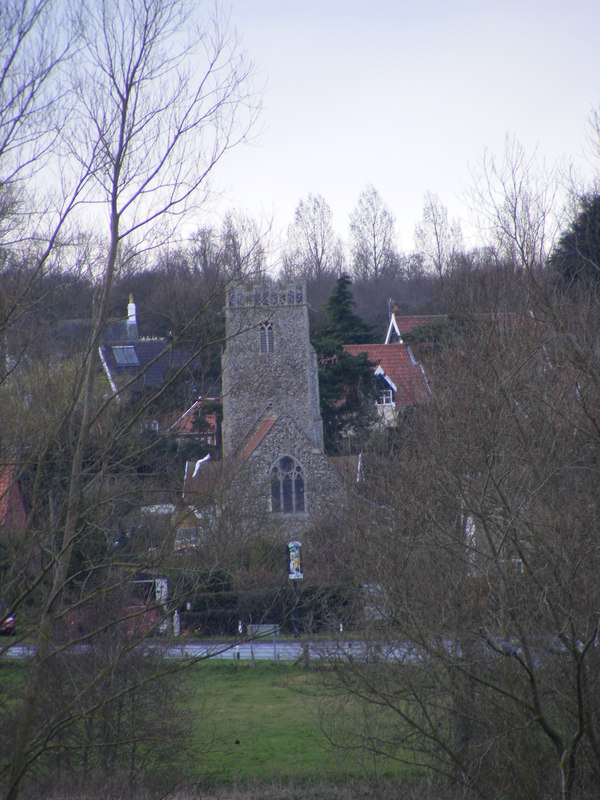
x: 294, y: 561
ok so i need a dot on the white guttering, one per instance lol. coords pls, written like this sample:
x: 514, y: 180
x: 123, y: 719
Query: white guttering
x: 113, y: 385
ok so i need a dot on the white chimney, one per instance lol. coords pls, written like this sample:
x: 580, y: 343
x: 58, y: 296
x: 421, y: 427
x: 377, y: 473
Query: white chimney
x: 132, y: 329
x: 131, y: 313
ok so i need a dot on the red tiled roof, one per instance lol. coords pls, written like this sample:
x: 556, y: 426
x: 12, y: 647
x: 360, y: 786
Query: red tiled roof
x: 201, y: 478
x: 12, y: 509
x: 254, y: 439
x: 406, y: 324
x: 183, y: 421
x: 396, y: 361
x: 185, y: 424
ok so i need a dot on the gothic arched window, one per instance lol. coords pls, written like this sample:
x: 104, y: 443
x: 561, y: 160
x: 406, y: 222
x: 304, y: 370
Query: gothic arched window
x: 287, y: 486
x: 266, y: 337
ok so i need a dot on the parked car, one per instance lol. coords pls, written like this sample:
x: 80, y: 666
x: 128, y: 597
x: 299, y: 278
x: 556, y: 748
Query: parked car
x: 8, y: 625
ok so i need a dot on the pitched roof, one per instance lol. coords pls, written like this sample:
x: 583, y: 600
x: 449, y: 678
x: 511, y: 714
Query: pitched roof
x: 183, y: 423
x: 144, y: 360
x: 72, y: 335
x: 254, y: 438
x: 401, y: 325
x: 396, y: 362
x: 201, y: 477
x: 200, y: 481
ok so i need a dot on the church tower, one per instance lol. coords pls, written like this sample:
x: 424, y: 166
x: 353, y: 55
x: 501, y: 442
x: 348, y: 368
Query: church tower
x: 274, y: 476
x: 269, y: 367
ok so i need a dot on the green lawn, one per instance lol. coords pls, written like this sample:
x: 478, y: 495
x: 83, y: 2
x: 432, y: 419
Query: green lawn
x: 253, y: 724
x: 263, y: 724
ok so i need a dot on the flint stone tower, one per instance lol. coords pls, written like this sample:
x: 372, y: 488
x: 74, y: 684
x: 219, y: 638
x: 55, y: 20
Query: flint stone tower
x: 272, y: 431
x: 269, y: 367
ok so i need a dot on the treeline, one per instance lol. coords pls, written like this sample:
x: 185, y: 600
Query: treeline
x: 171, y: 284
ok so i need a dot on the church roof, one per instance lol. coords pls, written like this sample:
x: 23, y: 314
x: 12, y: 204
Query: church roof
x: 254, y: 438
x: 202, y: 476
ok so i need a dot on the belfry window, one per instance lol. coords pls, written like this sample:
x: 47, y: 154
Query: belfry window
x: 287, y: 486
x: 266, y: 337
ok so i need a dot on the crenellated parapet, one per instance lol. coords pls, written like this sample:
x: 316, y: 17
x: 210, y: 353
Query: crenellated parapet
x: 267, y: 294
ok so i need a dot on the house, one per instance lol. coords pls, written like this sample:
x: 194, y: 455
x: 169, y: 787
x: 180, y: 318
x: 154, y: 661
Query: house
x: 274, y: 473
x: 130, y: 361
x: 401, y: 380
x: 192, y: 425
x: 400, y: 325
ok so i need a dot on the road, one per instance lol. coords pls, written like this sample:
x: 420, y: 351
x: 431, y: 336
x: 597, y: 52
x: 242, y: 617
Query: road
x: 259, y: 650
x: 269, y: 649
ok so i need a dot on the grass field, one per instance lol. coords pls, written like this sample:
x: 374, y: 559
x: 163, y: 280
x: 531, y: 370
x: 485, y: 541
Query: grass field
x: 263, y: 724
x: 254, y: 725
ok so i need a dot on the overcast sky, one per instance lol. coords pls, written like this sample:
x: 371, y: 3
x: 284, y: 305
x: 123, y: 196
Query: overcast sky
x: 406, y: 96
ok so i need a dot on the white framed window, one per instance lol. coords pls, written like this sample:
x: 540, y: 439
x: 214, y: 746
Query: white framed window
x: 386, y: 398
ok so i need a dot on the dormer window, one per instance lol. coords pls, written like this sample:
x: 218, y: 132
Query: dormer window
x: 266, y: 337
x: 386, y: 398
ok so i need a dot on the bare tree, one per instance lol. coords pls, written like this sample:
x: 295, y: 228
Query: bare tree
x: 514, y: 204
x: 439, y: 242
x: 313, y: 250
x: 32, y: 51
x: 35, y: 50
x: 159, y: 100
x: 373, y: 237
x: 480, y: 659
